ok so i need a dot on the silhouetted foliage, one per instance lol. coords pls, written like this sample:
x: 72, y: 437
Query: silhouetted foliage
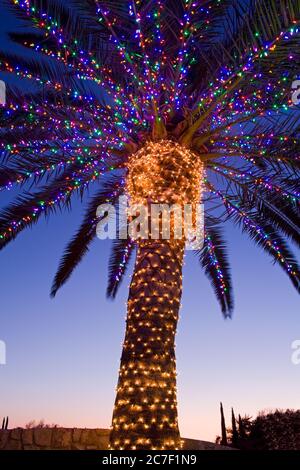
x: 235, y: 434
x: 279, y: 430
x: 5, y: 423
x: 223, y: 427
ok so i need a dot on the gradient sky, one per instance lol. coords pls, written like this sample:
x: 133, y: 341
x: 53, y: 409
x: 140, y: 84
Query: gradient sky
x: 63, y: 354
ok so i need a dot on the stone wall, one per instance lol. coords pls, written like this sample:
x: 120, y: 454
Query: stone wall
x: 54, y: 438
x: 74, y: 439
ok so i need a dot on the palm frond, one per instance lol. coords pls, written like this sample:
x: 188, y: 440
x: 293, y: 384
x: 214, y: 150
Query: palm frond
x: 78, y: 247
x: 214, y: 260
x: 27, y: 209
x: 121, y: 253
x: 266, y: 236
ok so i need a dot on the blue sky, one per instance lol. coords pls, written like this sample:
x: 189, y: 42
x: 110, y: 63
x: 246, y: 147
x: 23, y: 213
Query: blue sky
x: 63, y: 354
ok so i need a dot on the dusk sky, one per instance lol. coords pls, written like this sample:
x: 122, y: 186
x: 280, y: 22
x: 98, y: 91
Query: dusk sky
x: 63, y: 354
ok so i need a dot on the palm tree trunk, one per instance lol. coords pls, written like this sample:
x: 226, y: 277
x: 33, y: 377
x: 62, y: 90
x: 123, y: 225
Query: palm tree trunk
x: 145, y: 412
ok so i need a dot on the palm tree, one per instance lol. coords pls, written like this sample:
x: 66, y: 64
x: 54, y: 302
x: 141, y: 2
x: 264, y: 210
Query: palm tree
x: 162, y: 100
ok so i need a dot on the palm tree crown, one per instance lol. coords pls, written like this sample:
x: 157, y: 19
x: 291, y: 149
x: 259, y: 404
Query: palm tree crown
x: 109, y: 76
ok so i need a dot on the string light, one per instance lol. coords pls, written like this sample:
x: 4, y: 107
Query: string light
x: 136, y: 116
